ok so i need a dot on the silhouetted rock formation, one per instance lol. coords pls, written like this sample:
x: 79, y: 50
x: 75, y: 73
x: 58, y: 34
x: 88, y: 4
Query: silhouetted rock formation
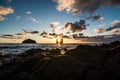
x: 29, y: 41
x: 82, y: 63
x: 30, y: 52
x: 88, y: 54
x: 111, y: 45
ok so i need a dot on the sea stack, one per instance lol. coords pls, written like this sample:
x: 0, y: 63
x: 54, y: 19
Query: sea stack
x: 29, y: 41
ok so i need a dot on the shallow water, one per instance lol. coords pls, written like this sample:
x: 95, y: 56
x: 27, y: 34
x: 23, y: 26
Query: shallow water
x: 19, y: 48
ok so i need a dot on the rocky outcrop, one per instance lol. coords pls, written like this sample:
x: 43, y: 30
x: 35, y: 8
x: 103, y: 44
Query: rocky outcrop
x: 29, y: 41
x: 82, y: 63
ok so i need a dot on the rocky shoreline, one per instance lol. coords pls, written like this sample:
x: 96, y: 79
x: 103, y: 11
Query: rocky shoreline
x: 82, y: 63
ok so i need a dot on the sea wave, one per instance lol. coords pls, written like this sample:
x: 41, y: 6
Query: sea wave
x: 19, y: 48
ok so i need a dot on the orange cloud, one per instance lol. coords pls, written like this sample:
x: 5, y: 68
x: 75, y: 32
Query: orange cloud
x: 6, y: 10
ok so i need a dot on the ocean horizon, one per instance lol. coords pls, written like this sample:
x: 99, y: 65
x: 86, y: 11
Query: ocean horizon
x: 17, y: 48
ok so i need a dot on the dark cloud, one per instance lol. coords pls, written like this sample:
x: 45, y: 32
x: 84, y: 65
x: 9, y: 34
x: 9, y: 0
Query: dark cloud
x: 19, y: 34
x: 77, y: 35
x: 29, y: 32
x: 52, y: 35
x: 46, y: 35
x: 96, y: 17
x: 43, y: 33
x: 34, y: 32
x: 116, y: 31
x: 8, y: 1
x: 105, y: 38
x: 80, y: 6
x: 65, y: 36
x: 111, y: 28
x: 77, y: 26
x: 9, y: 36
x: 99, y: 39
x: 115, y: 25
x: 111, y: 2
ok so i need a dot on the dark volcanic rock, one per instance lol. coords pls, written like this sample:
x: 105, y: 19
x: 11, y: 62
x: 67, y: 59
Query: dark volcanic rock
x: 82, y: 63
x: 58, y: 68
x: 88, y: 54
x: 55, y: 51
x: 17, y: 71
x: 61, y: 68
x: 29, y: 41
x: 31, y: 52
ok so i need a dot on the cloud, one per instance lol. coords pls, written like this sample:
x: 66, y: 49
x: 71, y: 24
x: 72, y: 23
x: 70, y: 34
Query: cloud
x: 81, y: 6
x: 96, y: 17
x: 77, y: 35
x: 54, y: 24
x: 115, y: 25
x: 18, y: 18
x: 76, y: 27
x: 98, y: 38
x: 9, y: 36
x: 25, y: 32
x: 20, y: 35
x: 56, y: 28
x: 104, y: 38
x: 102, y: 25
x: 6, y: 10
x: 28, y: 12
x: 34, y: 20
x: 116, y: 31
x: 74, y: 6
x: 69, y: 27
x: 43, y: 33
x: 52, y: 35
x: 2, y: 18
x: 34, y: 32
x: 111, y: 2
x: 98, y: 30
x: 46, y: 35
x: 8, y: 1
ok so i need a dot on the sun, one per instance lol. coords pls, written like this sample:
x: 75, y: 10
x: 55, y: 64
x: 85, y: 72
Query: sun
x: 59, y: 39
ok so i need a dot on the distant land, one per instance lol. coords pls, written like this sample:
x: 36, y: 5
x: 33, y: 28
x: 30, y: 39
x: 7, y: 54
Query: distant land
x: 29, y: 41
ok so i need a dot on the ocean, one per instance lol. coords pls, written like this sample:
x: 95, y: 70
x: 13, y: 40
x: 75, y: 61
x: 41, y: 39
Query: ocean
x: 20, y: 48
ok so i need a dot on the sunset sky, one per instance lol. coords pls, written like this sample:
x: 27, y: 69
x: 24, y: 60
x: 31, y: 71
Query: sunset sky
x: 79, y: 21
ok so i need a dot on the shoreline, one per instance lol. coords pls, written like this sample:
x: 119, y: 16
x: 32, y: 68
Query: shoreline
x: 85, y: 62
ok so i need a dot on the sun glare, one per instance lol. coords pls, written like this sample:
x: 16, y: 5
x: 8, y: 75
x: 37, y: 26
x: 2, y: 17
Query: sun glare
x: 59, y: 40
